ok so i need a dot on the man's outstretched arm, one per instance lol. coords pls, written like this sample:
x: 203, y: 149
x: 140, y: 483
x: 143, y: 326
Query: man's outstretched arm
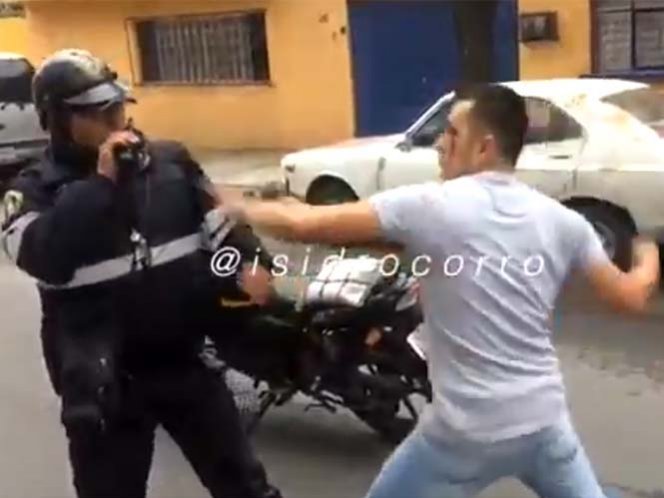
x: 355, y: 223
x: 387, y: 220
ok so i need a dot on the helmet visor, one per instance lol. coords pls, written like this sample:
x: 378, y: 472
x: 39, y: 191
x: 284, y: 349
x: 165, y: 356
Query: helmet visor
x: 103, y: 95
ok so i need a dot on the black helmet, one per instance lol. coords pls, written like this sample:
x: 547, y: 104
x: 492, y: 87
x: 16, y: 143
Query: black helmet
x: 73, y: 78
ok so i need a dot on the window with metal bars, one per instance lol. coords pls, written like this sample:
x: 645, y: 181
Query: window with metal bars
x: 12, y: 9
x: 628, y: 35
x: 204, y: 50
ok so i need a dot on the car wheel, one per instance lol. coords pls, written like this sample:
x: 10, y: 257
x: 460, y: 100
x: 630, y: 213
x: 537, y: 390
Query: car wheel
x: 614, y: 230
x: 329, y: 191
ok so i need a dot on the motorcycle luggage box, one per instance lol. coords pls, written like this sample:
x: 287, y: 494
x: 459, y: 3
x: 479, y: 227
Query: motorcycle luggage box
x: 343, y: 283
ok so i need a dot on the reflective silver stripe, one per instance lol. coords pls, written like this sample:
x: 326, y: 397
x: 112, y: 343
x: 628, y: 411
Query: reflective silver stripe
x: 176, y: 249
x: 217, y: 226
x: 122, y: 266
x: 13, y: 236
x: 97, y: 273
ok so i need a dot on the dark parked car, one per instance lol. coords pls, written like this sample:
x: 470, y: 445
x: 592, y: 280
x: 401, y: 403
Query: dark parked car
x: 21, y: 137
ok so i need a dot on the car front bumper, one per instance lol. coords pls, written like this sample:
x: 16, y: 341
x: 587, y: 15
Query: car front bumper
x: 13, y: 158
x: 290, y: 193
x: 19, y: 152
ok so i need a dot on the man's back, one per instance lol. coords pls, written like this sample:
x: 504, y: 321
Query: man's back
x: 500, y: 252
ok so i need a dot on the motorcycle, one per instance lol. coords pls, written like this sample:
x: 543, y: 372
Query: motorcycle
x: 348, y: 343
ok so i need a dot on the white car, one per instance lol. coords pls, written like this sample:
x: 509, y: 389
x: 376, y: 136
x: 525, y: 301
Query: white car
x: 21, y: 136
x: 594, y: 144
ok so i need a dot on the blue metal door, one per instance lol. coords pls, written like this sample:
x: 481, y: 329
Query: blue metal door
x: 405, y: 56
x: 506, y: 41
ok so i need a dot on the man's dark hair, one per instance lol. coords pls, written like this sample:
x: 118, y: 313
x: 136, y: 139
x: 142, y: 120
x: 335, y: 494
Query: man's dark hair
x: 502, y: 111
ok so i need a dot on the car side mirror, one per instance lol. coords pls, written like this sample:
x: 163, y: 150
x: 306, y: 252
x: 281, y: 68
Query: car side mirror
x: 424, y: 139
x: 405, y: 145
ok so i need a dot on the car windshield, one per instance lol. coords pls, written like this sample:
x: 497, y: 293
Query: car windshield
x: 644, y: 104
x: 15, y: 81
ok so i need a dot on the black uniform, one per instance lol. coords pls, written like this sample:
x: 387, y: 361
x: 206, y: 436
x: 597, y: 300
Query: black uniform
x: 127, y: 291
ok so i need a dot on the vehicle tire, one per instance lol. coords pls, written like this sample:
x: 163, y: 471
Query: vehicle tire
x: 614, y: 229
x: 330, y: 191
x: 392, y: 430
x: 394, y: 418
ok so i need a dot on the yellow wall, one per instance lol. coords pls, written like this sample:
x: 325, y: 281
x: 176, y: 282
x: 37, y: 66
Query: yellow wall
x: 568, y: 57
x: 309, y: 102
x: 14, y: 35
x: 571, y: 56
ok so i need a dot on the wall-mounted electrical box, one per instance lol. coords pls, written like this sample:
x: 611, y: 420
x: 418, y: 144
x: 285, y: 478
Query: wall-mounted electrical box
x: 538, y: 26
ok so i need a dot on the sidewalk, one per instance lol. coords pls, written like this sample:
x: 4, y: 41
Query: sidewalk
x: 241, y: 168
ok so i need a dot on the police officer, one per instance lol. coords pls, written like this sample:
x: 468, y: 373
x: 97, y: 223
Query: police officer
x: 118, y: 232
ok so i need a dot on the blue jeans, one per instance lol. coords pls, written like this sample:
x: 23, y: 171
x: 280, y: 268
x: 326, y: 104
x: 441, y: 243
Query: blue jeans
x: 551, y: 462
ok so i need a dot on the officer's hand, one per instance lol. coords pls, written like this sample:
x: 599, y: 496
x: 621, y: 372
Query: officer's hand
x: 106, y: 165
x: 256, y: 284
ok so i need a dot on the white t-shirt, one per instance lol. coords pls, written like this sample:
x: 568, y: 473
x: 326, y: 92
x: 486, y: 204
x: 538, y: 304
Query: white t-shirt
x: 499, y: 252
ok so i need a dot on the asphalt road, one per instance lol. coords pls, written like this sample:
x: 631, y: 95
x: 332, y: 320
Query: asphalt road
x: 614, y: 368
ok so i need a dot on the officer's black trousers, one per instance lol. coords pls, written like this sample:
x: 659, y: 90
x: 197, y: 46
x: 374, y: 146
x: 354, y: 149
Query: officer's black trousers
x: 197, y: 410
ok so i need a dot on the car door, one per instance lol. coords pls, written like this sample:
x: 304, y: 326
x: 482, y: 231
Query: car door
x: 415, y: 160
x: 552, y: 148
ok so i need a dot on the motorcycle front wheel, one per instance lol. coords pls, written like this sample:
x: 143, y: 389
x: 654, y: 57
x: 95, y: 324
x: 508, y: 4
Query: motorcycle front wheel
x: 393, y: 416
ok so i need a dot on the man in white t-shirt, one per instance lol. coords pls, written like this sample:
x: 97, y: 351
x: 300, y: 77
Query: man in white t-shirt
x: 500, y: 252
